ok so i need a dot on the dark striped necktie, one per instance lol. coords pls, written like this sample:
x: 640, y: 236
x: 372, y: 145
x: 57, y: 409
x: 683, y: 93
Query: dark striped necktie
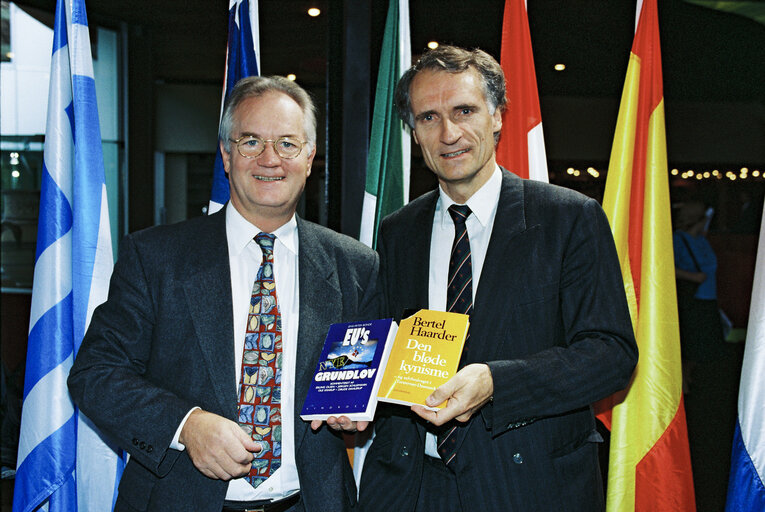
x: 459, y: 291
x: 459, y: 299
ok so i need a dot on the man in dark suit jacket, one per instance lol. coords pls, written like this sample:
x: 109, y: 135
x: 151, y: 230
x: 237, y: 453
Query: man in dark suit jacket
x: 550, y: 330
x: 158, y: 372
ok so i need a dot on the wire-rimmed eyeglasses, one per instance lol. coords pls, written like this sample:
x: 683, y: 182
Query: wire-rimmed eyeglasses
x: 250, y: 146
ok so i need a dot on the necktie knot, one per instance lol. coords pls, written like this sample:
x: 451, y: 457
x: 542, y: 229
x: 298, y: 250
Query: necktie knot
x: 266, y: 243
x: 459, y: 213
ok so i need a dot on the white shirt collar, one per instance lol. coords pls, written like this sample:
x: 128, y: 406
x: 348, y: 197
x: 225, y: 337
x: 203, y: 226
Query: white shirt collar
x: 482, y: 203
x: 240, y: 231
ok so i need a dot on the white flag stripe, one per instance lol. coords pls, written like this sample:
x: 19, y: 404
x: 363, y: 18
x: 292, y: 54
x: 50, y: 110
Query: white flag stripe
x: 537, y: 155
x: 48, y: 270
x: 95, y: 460
x: 59, y: 144
x: 51, y: 389
x: 79, y: 49
x: 255, y: 27
x: 213, y: 207
x: 405, y: 62
x: 752, y: 395
x: 104, y: 261
x: 368, y: 209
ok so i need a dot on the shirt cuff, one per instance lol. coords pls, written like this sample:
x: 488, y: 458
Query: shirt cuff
x: 176, y: 444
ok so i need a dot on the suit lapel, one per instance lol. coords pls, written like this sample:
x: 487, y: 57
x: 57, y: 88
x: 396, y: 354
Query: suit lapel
x: 320, y: 305
x: 208, y: 296
x: 501, y: 256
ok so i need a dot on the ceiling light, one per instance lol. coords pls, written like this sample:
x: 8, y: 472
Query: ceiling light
x: 674, y: 172
x: 560, y: 67
x: 313, y: 12
x: 291, y: 76
x: 433, y: 45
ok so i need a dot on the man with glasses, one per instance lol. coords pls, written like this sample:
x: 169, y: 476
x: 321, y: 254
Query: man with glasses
x: 199, y: 362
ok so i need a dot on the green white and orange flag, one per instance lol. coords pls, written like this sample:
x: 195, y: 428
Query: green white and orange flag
x: 649, y: 463
x: 388, y: 164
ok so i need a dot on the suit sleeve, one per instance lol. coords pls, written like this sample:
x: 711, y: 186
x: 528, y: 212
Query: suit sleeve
x: 109, y: 380
x: 596, y: 352
x: 371, y: 298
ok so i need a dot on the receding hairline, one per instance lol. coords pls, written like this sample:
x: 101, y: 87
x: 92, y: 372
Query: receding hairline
x: 272, y: 92
x: 476, y: 76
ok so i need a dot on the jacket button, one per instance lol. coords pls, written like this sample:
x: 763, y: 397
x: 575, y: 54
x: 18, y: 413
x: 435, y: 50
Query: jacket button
x: 404, y: 451
x: 518, y: 458
x: 135, y: 441
x: 142, y: 445
x: 149, y: 449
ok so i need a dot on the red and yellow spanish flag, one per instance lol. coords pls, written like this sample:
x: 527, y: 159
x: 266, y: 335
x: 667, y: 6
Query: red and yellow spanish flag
x: 649, y: 462
x: 521, y: 147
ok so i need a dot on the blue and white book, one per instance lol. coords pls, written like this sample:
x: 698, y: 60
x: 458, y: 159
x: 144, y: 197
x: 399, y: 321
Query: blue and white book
x: 349, y: 371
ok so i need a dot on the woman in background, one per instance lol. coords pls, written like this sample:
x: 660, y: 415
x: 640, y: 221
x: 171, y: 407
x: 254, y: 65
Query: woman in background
x: 696, y: 273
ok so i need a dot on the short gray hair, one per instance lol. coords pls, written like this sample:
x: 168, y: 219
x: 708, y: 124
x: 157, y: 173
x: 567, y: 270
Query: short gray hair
x: 254, y: 86
x: 454, y: 59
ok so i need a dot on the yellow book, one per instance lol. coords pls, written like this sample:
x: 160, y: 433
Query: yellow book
x: 425, y: 354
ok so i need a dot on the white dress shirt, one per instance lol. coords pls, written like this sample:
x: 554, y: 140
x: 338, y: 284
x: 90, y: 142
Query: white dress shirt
x: 483, y: 205
x: 245, y: 257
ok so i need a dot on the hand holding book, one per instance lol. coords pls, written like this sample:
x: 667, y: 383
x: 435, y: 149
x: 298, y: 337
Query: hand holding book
x: 466, y: 392
x: 341, y: 423
x: 362, y: 362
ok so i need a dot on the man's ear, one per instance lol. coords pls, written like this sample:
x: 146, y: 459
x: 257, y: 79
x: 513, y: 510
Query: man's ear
x: 225, y: 155
x: 414, y: 134
x: 310, y: 161
x: 496, y: 120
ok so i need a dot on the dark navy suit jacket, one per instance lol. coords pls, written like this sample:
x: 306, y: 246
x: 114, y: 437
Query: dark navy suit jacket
x: 552, y: 322
x: 164, y: 342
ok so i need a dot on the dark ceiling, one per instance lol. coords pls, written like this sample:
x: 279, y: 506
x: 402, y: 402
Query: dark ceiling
x: 707, y: 55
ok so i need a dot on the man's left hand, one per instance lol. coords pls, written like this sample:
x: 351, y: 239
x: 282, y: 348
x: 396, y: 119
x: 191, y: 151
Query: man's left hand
x: 341, y: 423
x: 467, y: 391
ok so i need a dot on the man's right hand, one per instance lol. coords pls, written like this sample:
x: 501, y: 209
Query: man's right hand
x: 218, y: 447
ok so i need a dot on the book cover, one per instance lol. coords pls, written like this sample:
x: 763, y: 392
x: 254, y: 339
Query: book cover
x: 425, y: 354
x: 349, y: 371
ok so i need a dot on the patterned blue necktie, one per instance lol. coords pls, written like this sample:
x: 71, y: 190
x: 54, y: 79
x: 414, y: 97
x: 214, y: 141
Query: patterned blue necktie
x: 260, y: 391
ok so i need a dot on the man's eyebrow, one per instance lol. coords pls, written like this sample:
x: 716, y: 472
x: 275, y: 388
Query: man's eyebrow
x: 252, y: 134
x: 422, y: 115
x: 466, y: 105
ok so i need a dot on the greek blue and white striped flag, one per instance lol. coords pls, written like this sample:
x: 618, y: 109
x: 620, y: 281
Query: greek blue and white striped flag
x: 242, y: 60
x: 63, y: 464
x: 746, y: 490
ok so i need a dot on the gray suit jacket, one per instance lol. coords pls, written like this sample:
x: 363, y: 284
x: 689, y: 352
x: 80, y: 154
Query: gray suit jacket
x: 164, y: 342
x: 551, y: 320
